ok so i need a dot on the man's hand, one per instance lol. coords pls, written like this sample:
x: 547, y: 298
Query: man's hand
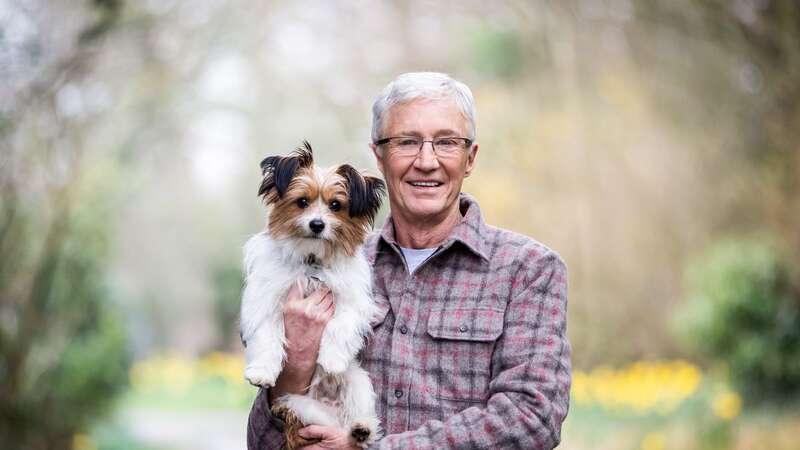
x: 332, y: 438
x: 304, y: 320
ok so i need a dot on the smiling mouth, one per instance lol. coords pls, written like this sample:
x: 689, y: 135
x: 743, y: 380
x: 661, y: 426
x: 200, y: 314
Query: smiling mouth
x: 425, y: 183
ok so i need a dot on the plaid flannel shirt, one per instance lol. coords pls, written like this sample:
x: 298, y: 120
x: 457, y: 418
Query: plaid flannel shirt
x: 470, y: 351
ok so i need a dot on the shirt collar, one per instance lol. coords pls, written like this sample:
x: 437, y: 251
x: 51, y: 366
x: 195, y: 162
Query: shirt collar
x: 470, y: 231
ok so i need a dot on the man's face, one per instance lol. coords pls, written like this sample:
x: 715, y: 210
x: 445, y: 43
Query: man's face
x: 409, y: 178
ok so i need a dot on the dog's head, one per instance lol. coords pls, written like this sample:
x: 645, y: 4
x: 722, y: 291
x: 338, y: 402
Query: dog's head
x: 336, y: 205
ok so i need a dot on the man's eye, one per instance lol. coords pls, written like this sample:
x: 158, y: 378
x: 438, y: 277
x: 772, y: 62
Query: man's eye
x: 408, y: 142
x: 302, y: 203
x: 447, y: 142
x: 335, y: 205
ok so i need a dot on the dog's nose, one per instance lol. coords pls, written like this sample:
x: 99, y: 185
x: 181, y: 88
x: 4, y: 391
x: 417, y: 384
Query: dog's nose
x: 316, y: 226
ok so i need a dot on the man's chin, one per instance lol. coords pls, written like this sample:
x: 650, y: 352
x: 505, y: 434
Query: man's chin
x: 426, y: 212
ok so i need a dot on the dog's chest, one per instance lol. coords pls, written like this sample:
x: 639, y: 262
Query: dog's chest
x: 313, y: 274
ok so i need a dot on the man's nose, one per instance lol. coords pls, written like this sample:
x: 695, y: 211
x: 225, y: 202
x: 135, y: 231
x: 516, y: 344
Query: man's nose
x: 316, y: 226
x: 426, y: 158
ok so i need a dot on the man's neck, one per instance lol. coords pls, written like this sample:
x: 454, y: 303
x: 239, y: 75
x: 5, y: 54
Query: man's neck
x: 425, y: 234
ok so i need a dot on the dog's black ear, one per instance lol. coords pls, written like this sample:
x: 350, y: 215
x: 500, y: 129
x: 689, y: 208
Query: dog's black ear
x: 278, y: 171
x: 365, y: 192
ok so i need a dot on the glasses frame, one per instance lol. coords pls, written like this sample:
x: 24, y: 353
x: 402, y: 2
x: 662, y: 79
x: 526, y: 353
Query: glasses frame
x: 467, y: 143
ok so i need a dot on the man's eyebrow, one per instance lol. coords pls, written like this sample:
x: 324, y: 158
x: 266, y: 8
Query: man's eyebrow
x: 409, y: 133
x: 444, y: 132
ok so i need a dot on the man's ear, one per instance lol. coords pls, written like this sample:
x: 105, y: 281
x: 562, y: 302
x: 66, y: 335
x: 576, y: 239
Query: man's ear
x: 278, y: 171
x: 471, y: 156
x: 365, y: 192
x: 378, y: 157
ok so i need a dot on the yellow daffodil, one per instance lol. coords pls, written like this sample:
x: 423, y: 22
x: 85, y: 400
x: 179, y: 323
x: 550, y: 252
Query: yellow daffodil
x: 642, y: 387
x: 726, y: 405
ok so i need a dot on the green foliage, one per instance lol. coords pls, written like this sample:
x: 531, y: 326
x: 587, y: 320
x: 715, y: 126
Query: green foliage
x: 66, y: 358
x: 744, y: 312
x: 227, y: 281
x: 496, y: 53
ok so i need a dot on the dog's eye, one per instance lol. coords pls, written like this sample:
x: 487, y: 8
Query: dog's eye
x: 302, y: 203
x: 335, y: 205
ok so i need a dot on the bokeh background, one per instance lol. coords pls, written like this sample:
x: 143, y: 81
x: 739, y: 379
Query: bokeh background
x: 654, y: 144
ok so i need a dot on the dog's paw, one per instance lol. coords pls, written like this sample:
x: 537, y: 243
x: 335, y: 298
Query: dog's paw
x: 260, y: 375
x: 364, y: 432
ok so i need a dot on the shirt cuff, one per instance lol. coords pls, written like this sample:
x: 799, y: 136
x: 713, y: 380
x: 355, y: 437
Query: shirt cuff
x: 264, y: 430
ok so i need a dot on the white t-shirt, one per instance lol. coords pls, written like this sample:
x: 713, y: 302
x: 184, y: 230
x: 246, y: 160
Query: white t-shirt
x: 416, y: 256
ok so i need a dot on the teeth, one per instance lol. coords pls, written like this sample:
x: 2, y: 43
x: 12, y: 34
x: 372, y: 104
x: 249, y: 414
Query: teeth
x: 425, y: 183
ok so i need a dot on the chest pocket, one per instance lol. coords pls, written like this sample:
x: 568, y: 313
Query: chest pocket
x: 463, y: 343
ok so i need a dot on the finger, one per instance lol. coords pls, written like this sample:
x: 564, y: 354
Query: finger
x: 315, y: 296
x: 319, y: 294
x: 326, y: 301
x: 295, y: 292
x: 315, y: 432
x: 312, y: 447
x: 325, y: 311
x: 329, y: 307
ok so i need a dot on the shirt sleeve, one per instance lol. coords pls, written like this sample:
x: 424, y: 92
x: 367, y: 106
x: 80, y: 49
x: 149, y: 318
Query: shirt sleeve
x: 264, y: 431
x: 529, y: 390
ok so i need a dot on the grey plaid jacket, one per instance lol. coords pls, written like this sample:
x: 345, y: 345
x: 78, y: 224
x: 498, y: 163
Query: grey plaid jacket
x: 470, y: 351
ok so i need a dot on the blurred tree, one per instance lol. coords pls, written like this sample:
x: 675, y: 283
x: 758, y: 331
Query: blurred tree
x: 744, y: 313
x: 496, y: 53
x: 227, y: 282
x: 740, y: 64
x: 64, y: 351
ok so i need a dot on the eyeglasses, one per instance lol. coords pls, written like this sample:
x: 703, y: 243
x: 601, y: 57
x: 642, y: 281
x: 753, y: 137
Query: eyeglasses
x: 407, y: 146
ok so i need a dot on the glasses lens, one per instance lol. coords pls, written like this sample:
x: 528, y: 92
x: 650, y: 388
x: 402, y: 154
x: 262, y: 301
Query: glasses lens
x: 404, y: 146
x: 449, y: 146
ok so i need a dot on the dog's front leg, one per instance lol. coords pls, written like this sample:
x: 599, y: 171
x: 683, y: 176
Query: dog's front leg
x: 265, y: 353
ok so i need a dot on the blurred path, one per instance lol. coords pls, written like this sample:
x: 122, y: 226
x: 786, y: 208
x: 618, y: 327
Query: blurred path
x: 188, y: 430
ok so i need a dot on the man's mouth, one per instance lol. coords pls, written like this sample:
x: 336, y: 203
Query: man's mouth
x: 425, y: 183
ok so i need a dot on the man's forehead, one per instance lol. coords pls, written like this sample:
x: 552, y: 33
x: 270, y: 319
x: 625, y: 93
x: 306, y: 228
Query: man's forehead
x: 437, y: 117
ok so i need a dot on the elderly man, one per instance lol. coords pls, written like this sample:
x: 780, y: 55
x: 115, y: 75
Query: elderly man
x: 471, y: 350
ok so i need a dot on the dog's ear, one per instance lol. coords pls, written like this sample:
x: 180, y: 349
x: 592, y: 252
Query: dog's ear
x: 365, y: 192
x: 278, y: 171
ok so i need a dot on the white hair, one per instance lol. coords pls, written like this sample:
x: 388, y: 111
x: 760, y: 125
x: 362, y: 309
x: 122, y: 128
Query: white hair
x: 426, y: 85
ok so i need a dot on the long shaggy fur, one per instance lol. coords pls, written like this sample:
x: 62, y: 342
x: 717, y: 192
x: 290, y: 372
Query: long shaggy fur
x: 317, y: 220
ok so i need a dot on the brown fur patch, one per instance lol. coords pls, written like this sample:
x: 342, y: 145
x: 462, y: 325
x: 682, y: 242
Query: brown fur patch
x: 283, y: 219
x: 350, y: 231
x: 291, y: 427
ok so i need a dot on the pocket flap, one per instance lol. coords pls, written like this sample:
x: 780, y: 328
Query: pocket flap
x: 466, y: 324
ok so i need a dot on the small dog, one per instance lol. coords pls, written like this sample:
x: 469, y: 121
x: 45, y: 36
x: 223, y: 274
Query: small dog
x: 317, y: 220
